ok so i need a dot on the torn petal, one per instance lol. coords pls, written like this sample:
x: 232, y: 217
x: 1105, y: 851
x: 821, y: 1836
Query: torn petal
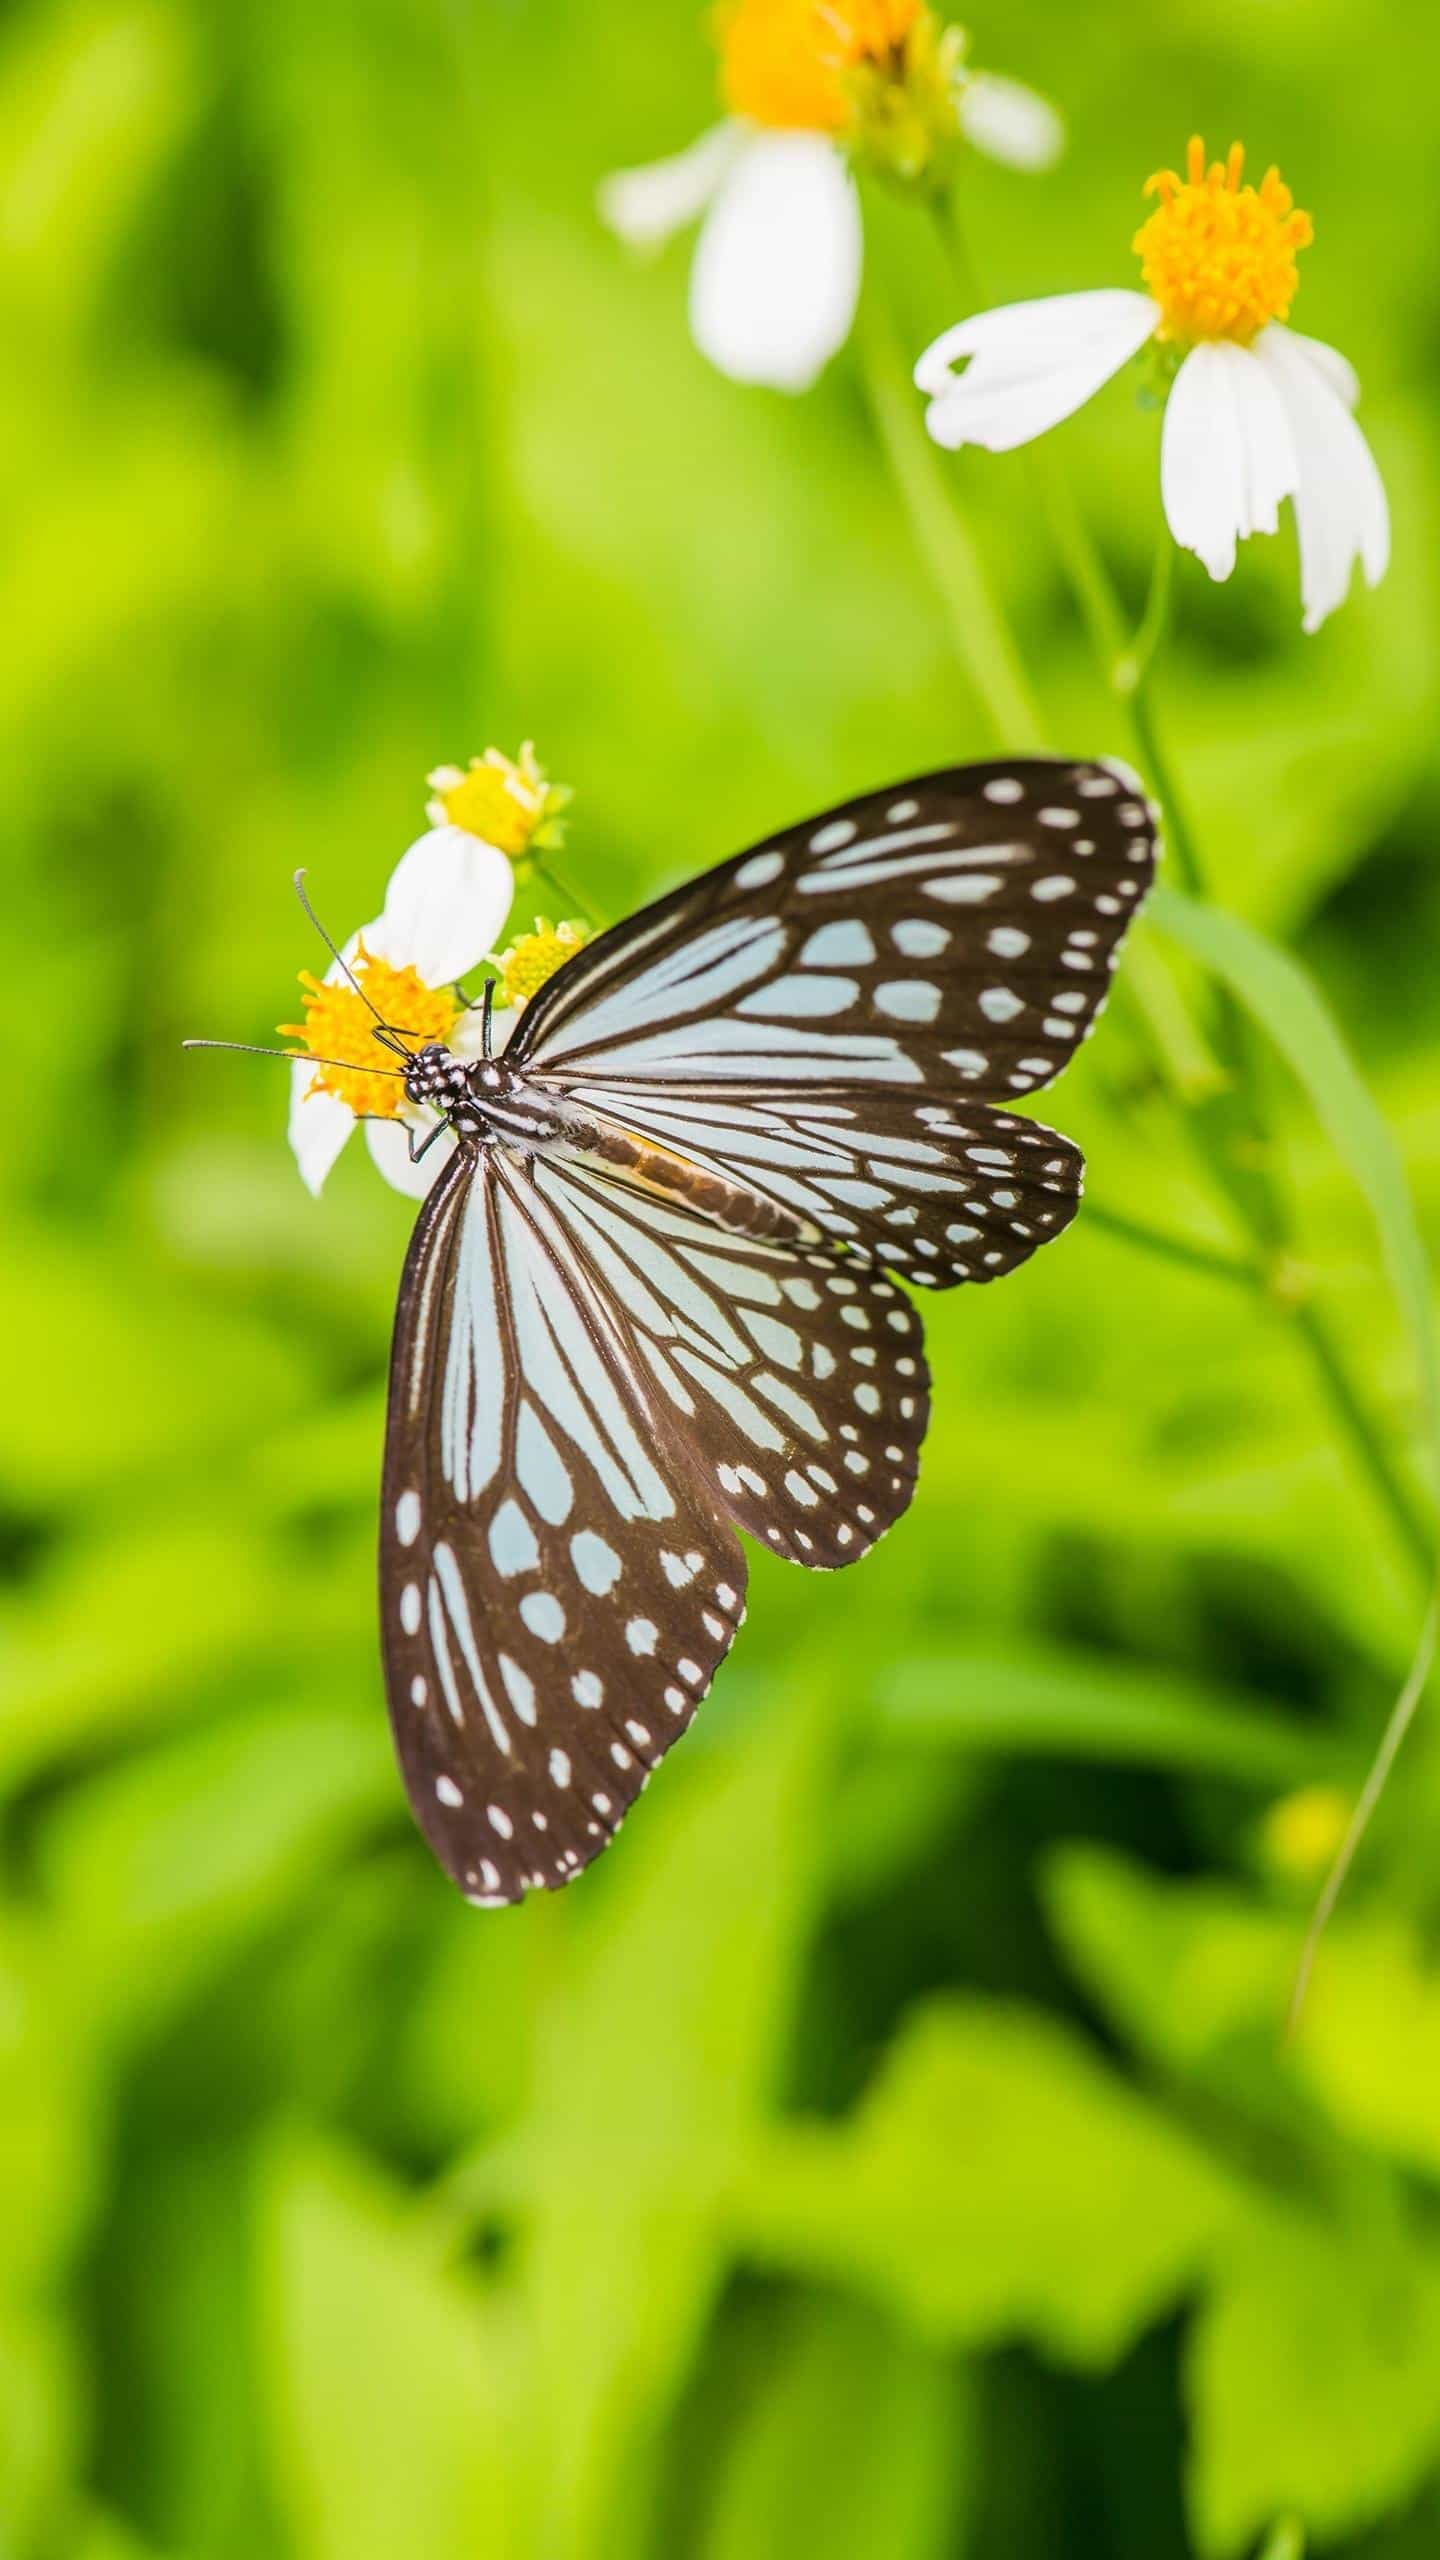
x: 1030, y: 364
x: 1227, y: 457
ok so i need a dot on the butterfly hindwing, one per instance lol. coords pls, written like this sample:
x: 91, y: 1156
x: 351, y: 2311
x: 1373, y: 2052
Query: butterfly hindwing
x: 939, y: 1192
x: 794, y: 1382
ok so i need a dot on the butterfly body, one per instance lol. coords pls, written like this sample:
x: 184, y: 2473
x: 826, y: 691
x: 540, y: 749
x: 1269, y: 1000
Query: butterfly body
x: 652, y: 1299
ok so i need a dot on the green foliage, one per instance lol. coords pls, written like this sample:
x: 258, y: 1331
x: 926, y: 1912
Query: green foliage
x: 891, y: 2149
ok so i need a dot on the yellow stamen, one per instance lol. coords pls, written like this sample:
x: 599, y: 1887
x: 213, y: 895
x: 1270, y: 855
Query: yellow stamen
x: 787, y: 62
x: 339, y: 1024
x: 1219, y: 257
x: 507, y: 804
x: 533, y: 957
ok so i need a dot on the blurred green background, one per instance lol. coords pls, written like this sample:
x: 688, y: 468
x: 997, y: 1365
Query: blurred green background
x: 888, y: 2150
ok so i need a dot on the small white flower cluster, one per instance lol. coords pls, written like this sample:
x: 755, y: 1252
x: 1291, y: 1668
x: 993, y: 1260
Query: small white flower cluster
x: 776, y: 277
x: 445, y: 911
x: 1254, y: 412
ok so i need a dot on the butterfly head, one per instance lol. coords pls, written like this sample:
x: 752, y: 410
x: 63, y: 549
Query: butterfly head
x: 434, y: 1075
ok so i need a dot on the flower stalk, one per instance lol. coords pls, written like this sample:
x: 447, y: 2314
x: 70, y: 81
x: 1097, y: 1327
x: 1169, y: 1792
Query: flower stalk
x: 1224, y: 1118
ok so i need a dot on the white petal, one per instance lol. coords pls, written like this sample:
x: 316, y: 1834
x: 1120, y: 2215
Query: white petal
x: 446, y: 906
x: 319, y: 1126
x: 1333, y: 368
x: 777, y: 268
x: 389, y: 1145
x: 647, y: 206
x: 1227, y: 456
x: 1341, y: 513
x: 1031, y: 364
x: 1009, y: 122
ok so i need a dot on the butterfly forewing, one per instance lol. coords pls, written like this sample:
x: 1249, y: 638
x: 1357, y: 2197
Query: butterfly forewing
x: 954, y: 934
x: 557, y: 1586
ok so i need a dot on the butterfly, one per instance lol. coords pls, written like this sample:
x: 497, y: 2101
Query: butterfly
x: 653, y: 1297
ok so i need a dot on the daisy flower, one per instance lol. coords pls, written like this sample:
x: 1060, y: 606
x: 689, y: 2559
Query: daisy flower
x: 1254, y: 413
x: 445, y: 908
x: 810, y: 87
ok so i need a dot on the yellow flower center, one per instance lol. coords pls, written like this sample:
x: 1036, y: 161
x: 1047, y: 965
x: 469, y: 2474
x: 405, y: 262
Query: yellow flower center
x: 1219, y: 257
x: 787, y: 62
x: 533, y: 957
x: 339, y: 1024
x: 1302, y: 1833
x: 491, y: 797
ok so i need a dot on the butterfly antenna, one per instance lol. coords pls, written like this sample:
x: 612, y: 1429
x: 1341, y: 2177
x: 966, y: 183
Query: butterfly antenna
x: 489, y: 1003
x: 296, y: 1057
x: 391, y: 1035
x: 336, y: 954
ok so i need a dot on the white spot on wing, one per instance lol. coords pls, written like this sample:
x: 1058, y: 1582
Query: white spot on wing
x: 1000, y: 1004
x: 908, y: 999
x: 760, y: 870
x: 596, y: 1563
x: 919, y: 939
x: 543, y: 1616
x: 845, y: 944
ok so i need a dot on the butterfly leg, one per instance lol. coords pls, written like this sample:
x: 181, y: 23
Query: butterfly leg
x: 427, y: 1142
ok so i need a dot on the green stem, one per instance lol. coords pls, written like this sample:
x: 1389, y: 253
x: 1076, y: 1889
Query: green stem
x: 1366, y: 1438
x: 1130, y: 681
x: 946, y: 544
x: 1248, y: 1188
x: 544, y: 868
x: 1402, y: 1716
x: 1248, y: 1271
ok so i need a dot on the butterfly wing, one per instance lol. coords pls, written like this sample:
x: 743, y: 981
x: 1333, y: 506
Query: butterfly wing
x: 840, y: 1017
x: 589, y: 1391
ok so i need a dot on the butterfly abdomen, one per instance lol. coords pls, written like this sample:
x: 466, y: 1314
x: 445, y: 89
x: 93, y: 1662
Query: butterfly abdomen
x: 675, y: 1177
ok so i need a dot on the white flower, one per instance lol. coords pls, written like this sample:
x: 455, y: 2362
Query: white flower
x: 776, y: 276
x: 1256, y: 413
x: 445, y: 908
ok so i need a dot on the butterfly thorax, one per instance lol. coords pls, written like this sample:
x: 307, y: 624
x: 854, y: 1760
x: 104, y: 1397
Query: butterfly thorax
x: 487, y: 1101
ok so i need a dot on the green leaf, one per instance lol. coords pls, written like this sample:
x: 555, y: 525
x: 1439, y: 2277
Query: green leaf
x: 855, y: 2443
x: 1183, y: 1969
x: 119, y: 1632
x: 123, y: 1369
x: 52, y: 2120
x: 387, y: 2415
x: 1310, y: 2375
x: 42, y: 2422
x: 160, y: 1868
x: 1368, y: 2041
x: 1286, y: 2542
x: 1083, y: 1706
x: 670, y: 1988
x: 1287, y: 1007
x: 998, y: 2182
